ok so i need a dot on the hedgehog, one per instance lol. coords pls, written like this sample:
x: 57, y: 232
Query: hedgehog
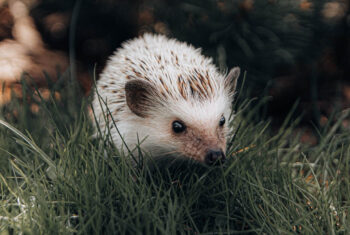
x: 166, y: 97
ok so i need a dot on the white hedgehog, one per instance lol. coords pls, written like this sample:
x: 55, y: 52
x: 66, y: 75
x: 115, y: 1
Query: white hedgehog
x: 167, y: 95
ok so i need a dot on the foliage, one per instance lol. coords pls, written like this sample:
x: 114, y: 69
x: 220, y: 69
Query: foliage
x: 266, y: 38
x: 55, y: 178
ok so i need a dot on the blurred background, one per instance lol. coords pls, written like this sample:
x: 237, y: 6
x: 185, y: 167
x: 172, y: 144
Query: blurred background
x: 292, y: 50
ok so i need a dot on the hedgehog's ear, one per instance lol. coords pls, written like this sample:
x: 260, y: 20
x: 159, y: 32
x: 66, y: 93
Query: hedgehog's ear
x: 140, y: 97
x: 231, y: 79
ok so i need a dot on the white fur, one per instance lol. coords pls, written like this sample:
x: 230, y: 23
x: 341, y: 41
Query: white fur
x: 156, y: 130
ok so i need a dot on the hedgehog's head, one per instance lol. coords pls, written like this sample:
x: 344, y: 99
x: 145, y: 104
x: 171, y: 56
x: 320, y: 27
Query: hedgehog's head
x: 193, y: 125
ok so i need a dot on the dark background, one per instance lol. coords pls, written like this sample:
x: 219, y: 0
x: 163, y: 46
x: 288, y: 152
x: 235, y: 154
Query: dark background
x: 291, y: 50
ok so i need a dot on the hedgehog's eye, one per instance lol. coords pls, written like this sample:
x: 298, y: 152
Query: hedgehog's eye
x: 178, y: 126
x: 222, y: 121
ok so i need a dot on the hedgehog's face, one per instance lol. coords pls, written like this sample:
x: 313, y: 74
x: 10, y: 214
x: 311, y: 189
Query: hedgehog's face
x: 204, y: 142
x: 197, y: 130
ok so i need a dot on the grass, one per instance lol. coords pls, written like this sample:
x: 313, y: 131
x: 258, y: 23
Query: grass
x: 56, y: 179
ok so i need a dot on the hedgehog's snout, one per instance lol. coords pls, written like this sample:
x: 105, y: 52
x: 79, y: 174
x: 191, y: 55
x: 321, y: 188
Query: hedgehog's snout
x: 214, y: 156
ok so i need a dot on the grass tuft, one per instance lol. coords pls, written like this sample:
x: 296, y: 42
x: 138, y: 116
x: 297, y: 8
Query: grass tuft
x: 55, y: 178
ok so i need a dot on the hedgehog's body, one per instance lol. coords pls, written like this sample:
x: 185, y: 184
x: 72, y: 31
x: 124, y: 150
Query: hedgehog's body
x: 166, y: 95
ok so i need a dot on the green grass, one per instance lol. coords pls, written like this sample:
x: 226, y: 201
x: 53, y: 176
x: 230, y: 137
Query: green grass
x: 56, y: 179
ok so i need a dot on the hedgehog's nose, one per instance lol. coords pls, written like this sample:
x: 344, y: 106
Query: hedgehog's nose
x: 214, y: 156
